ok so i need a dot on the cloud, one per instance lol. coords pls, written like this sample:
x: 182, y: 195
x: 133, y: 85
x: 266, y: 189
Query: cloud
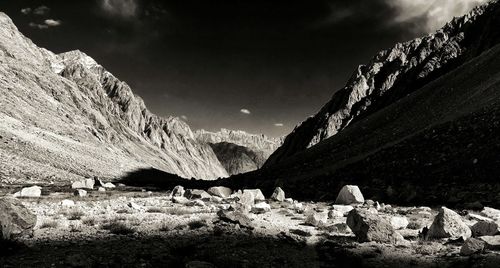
x: 278, y: 124
x: 38, y: 26
x: 185, y: 118
x: 245, y: 111
x: 26, y: 11
x: 122, y: 8
x: 41, y: 10
x: 52, y: 23
x: 433, y: 14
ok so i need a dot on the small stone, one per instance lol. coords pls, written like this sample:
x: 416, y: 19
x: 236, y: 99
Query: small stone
x: 80, y: 193
x: 196, y: 202
x: 237, y: 217
x: 278, y: 194
x: 178, y: 191
x: 377, y: 206
x: 399, y: 222
x: 33, y: 191
x: 101, y: 189
x: 297, y: 206
x: 134, y: 206
x: 197, y: 194
x: 220, y: 191
x: 332, y: 214
x: 472, y: 246
x: 67, y: 203
x: 260, y: 208
x: 369, y: 203
x: 108, y: 185
x: 350, y: 194
x: 345, y: 209
x: 448, y: 224
x: 83, y: 184
x: 180, y: 200
x: 484, y: 228
x: 257, y: 194
x: 288, y: 200
x: 317, y: 219
x: 216, y: 199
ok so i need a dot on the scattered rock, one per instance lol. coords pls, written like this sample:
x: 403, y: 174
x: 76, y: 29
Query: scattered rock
x: 216, y: 199
x: 98, y: 182
x: 134, y: 206
x: 237, y: 217
x: 67, y: 203
x: 247, y: 200
x: 448, y: 224
x: 492, y: 242
x: 80, y: 193
x: 83, y: 184
x: 257, y: 194
x: 332, y: 214
x: 288, y: 200
x: 317, y: 219
x: 196, y: 202
x: 177, y: 191
x: 344, y: 209
x: 101, y: 189
x: 301, y: 232
x: 484, y: 228
x: 491, y: 213
x: 472, y: 246
x: 370, y: 227
x: 33, y: 191
x: 108, y: 185
x: 220, y: 191
x: 350, y: 194
x: 297, y: 206
x: 180, y: 200
x: 197, y: 194
x: 399, y: 222
x: 261, y: 207
x: 199, y: 264
x: 15, y: 219
x: 278, y: 194
x: 369, y: 203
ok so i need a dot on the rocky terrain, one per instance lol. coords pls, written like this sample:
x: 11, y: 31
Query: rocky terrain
x: 65, y: 117
x: 432, y: 143
x: 218, y: 227
x: 238, y: 151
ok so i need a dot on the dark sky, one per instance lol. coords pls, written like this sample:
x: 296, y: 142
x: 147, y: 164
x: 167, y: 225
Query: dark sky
x: 257, y: 65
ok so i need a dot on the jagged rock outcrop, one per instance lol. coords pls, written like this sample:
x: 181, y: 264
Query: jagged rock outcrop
x: 393, y: 74
x: 238, y: 151
x: 65, y: 117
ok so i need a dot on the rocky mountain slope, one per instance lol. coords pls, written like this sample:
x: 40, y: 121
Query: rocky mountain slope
x: 63, y: 117
x: 238, y: 151
x: 393, y: 74
x: 418, y: 125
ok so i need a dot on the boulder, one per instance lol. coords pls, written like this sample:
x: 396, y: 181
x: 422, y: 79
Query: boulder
x: 83, y: 184
x: 98, y: 182
x: 317, y: 219
x: 197, y: 194
x: 448, y: 224
x: 67, y: 203
x: 236, y: 217
x: 101, y: 189
x: 220, y: 191
x: 472, y: 246
x: 108, y: 185
x: 80, y: 193
x: 15, y: 219
x: 180, y: 200
x: 332, y: 214
x: 344, y: 209
x: 261, y: 207
x: 350, y: 194
x: 196, y: 202
x: 216, y: 199
x: 134, y: 206
x: 399, y: 222
x: 483, y: 228
x: 288, y: 200
x: 257, y: 194
x: 491, y: 213
x: 177, y: 191
x: 247, y: 200
x: 33, y: 191
x: 492, y: 242
x: 370, y: 227
x: 278, y: 194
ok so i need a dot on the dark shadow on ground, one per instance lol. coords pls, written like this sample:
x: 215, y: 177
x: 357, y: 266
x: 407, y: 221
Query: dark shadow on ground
x: 158, y: 179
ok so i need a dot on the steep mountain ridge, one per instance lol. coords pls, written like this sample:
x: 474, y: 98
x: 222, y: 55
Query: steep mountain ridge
x: 395, y: 73
x: 64, y: 117
x: 239, y: 151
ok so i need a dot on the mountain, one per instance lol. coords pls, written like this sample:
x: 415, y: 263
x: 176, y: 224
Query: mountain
x: 419, y: 124
x: 238, y: 151
x: 64, y: 117
x: 393, y: 74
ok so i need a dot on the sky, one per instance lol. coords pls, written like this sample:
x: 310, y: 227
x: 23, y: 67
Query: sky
x: 262, y: 66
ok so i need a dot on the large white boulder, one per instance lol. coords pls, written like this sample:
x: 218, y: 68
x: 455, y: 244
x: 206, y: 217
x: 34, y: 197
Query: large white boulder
x: 220, y: 191
x: 370, y: 227
x: 278, y: 194
x: 83, y: 184
x: 15, y: 219
x: 257, y: 194
x: 448, y: 224
x: 33, y: 191
x: 317, y: 219
x: 350, y: 194
x: 261, y: 207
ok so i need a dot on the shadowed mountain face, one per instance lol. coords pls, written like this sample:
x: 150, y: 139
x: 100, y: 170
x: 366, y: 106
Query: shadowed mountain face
x: 238, y: 151
x: 64, y: 117
x: 393, y: 74
x: 430, y: 137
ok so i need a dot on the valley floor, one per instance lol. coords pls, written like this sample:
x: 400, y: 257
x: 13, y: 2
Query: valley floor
x: 134, y: 228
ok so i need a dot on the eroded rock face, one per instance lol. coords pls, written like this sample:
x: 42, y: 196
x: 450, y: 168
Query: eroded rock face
x: 15, y: 219
x: 92, y: 123
x: 350, y: 194
x: 369, y: 227
x: 448, y: 224
x: 390, y: 75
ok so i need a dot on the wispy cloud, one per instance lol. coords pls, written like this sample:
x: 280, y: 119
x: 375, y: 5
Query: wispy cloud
x: 52, y: 23
x: 38, y: 26
x: 278, y: 124
x: 41, y: 10
x: 245, y: 111
x: 46, y: 24
x: 185, y: 118
x: 26, y: 11
x: 122, y: 8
